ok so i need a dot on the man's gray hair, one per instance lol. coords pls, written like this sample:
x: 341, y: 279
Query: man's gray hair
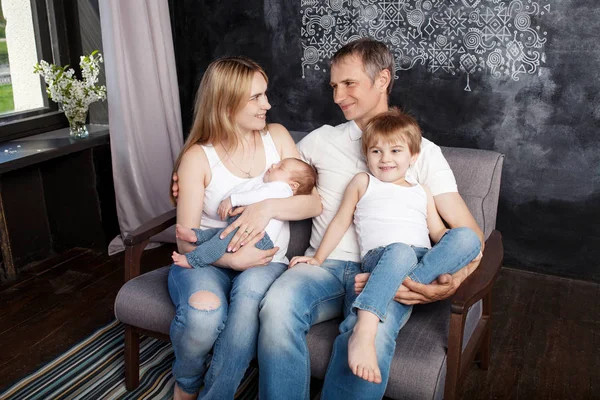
x: 375, y: 56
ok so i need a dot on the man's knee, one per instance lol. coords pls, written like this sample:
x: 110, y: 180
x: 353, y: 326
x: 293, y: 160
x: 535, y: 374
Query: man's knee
x: 204, y: 300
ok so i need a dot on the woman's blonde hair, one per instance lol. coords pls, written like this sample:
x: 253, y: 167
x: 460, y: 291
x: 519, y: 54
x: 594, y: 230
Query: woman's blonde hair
x: 223, y: 92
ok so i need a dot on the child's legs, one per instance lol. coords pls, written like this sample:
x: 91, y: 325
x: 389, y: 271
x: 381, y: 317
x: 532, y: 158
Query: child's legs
x: 203, y: 235
x: 215, y: 247
x: 457, y: 248
x: 340, y: 382
x: 389, y: 266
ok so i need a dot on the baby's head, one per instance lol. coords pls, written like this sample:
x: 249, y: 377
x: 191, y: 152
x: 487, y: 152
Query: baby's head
x: 299, y: 175
x: 391, y: 142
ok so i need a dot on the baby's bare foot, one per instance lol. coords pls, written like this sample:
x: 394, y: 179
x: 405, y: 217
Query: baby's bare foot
x: 362, y: 356
x: 185, y: 234
x: 180, y: 260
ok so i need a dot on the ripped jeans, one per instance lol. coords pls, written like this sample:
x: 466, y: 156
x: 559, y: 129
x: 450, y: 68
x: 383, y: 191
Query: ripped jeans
x: 224, y: 318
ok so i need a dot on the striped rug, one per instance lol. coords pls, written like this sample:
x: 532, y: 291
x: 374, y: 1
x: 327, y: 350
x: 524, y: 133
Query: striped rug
x: 94, y: 369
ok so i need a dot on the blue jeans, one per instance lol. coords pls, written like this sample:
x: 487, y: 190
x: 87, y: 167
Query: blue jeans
x: 231, y: 327
x: 211, y: 247
x: 306, y: 295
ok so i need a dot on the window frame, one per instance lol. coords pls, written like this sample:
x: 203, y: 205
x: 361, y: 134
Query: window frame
x: 56, y: 28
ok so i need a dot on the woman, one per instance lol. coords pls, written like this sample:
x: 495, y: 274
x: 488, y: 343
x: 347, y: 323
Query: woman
x: 217, y: 306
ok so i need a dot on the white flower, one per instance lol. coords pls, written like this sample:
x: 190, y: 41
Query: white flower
x: 74, y: 95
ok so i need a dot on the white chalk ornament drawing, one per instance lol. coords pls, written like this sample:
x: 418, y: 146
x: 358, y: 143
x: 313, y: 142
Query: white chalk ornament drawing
x: 503, y: 38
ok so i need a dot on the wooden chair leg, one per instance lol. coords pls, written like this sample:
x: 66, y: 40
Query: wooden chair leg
x: 486, y: 344
x: 453, y: 362
x: 132, y: 358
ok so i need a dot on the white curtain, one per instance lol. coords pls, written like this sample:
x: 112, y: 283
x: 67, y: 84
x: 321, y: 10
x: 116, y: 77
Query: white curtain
x: 143, y: 106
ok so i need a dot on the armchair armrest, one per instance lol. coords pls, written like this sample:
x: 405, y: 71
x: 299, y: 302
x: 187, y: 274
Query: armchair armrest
x: 136, y: 241
x: 150, y: 228
x: 475, y: 287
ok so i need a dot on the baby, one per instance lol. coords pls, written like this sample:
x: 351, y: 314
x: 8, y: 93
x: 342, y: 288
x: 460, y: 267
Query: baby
x: 287, y: 178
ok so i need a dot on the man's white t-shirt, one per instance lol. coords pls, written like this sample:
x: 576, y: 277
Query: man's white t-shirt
x: 335, y: 152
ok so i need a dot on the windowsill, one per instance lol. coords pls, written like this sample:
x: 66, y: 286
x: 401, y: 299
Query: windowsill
x: 19, y: 153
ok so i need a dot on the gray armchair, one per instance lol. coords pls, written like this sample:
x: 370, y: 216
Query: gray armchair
x: 435, y: 349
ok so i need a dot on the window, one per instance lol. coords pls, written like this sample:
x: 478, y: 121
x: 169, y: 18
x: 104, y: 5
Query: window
x: 31, y: 30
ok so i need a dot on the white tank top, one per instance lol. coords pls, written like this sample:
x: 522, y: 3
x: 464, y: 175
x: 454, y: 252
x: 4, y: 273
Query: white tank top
x: 389, y: 213
x: 222, y: 181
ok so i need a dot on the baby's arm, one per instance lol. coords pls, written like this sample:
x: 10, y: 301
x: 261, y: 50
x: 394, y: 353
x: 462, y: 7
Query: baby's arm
x: 340, y: 223
x: 436, y: 226
x: 270, y: 190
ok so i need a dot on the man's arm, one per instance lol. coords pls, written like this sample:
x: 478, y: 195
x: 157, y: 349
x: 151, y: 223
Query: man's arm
x: 454, y: 211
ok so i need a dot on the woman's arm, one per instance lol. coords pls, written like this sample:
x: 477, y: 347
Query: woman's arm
x: 194, y: 175
x: 255, y: 217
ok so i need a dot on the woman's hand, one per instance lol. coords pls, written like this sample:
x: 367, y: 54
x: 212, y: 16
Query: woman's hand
x: 304, y: 259
x: 249, y: 256
x: 252, y: 222
x: 224, y: 208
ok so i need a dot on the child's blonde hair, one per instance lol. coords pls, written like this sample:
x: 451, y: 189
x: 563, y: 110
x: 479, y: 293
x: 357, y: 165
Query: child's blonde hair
x: 392, y: 126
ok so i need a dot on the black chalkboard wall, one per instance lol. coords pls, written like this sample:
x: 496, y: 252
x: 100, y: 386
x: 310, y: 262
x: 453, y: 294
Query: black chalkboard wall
x: 546, y: 122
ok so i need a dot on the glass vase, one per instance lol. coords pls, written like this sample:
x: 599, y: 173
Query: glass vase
x: 77, y: 118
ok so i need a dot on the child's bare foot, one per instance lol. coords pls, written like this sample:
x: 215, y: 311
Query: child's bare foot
x: 362, y: 356
x: 185, y: 234
x: 180, y: 260
x: 179, y: 394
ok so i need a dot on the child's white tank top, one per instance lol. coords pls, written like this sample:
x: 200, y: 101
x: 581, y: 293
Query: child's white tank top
x: 389, y: 213
x: 222, y: 181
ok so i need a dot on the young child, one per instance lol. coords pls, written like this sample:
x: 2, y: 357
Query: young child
x: 395, y: 218
x: 289, y: 177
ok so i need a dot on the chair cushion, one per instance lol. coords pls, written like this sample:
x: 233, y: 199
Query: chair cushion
x: 144, y: 302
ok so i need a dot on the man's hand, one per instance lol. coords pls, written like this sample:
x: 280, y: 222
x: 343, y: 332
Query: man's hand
x: 411, y: 292
x: 252, y: 222
x: 175, y: 187
x: 249, y: 256
x: 224, y: 208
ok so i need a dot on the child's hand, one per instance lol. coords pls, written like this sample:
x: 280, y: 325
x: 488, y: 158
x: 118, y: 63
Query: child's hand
x: 304, y: 259
x: 224, y: 209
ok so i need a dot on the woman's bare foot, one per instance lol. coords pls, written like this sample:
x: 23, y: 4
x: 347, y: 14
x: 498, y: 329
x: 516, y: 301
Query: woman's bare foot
x: 185, y: 234
x: 362, y: 356
x: 179, y: 394
x: 180, y: 260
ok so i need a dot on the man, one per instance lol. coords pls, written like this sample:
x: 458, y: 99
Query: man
x: 361, y: 78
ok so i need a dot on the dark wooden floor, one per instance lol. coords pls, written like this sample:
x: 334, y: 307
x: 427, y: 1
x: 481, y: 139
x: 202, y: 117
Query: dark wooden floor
x: 545, y: 334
